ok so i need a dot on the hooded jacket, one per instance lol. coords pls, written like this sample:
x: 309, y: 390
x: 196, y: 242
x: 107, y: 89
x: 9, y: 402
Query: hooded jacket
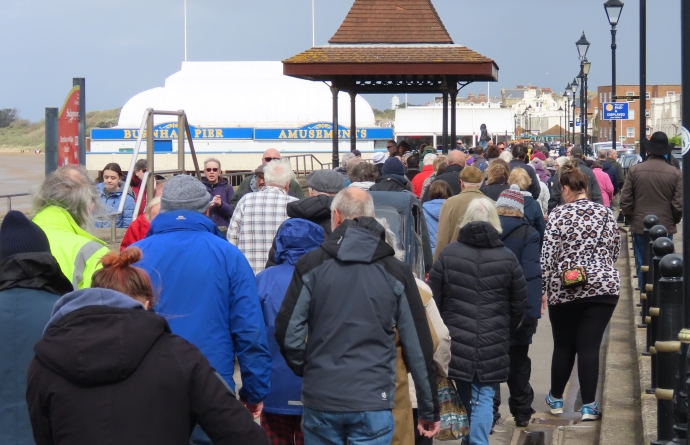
x: 612, y: 171
x: 220, y: 215
x: 316, y: 209
x: 208, y: 291
x: 347, y: 297
x: 525, y: 243
x: 432, y: 213
x: 30, y: 284
x: 418, y: 181
x: 391, y: 183
x: 593, y: 187
x: 480, y: 289
x: 294, y: 238
x: 533, y: 214
x: 111, y: 203
x: 97, y: 378
x: 77, y: 252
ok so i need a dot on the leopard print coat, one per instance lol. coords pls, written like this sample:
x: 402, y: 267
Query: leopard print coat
x: 581, y: 233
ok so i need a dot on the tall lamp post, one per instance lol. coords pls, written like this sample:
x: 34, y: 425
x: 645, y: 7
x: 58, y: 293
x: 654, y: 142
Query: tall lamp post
x: 528, y: 110
x: 582, y: 48
x: 560, y: 121
x: 613, y: 10
x: 573, y: 88
x: 586, y: 65
x: 566, y: 94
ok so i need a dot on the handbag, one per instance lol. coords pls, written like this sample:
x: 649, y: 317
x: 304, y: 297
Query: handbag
x: 575, y: 277
x: 454, y: 422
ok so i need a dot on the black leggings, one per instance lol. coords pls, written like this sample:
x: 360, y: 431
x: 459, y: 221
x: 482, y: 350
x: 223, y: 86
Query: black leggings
x: 577, y: 328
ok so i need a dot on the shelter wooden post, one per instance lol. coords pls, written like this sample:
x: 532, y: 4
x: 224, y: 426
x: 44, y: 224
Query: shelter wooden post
x: 334, y: 91
x: 453, y: 100
x: 353, y: 125
x: 444, y: 132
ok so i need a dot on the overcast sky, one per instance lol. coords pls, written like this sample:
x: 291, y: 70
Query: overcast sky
x: 124, y: 47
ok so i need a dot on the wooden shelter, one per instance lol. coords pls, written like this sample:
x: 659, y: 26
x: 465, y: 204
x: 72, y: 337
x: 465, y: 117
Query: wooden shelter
x: 392, y: 46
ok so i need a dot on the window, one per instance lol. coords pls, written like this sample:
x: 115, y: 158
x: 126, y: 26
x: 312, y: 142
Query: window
x: 647, y: 113
x: 648, y: 95
x: 630, y: 132
x: 649, y: 131
x: 630, y: 93
x: 671, y: 93
x: 631, y: 115
x: 601, y: 97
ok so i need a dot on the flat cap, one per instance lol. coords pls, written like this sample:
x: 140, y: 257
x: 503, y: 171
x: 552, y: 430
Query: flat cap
x: 326, y: 181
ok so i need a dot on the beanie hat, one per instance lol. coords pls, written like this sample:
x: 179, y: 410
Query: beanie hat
x: 538, y: 155
x: 471, y: 175
x: 184, y: 192
x: 18, y: 234
x: 512, y: 199
x: 393, y: 166
x: 379, y: 157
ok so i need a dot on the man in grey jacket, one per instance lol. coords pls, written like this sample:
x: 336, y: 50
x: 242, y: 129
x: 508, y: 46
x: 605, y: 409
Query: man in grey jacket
x: 592, y: 184
x: 349, y: 297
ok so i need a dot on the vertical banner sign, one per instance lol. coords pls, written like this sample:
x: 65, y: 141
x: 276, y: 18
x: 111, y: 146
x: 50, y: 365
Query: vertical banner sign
x: 68, y: 130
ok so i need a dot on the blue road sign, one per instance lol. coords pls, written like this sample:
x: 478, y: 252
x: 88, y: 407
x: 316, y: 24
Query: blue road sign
x: 615, y: 111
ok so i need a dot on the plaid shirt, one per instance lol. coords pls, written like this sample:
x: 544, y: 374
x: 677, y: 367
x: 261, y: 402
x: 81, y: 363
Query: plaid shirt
x: 255, y: 221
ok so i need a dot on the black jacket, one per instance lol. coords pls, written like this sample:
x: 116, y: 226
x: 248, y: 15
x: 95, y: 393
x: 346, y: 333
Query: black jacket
x: 348, y: 297
x: 391, y: 183
x: 593, y: 187
x: 114, y: 375
x: 451, y: 176
x: 411, y: 173
x: 492, y: 191
x: 481, y: 292
x: 534, y: 188
x: 316, y: 209
x: 608, y: 168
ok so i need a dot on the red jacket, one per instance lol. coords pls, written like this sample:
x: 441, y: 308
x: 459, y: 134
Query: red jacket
x: 137, y: 231
x: 418, y: 180
x: 136, y: 187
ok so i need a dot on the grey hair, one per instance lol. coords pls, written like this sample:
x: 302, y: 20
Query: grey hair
x: 212, y: 160
x: 278, y: 173
x: 610, y: 152
x: 349, y: 203
x: 391, y: 239
x: 506, y: 156
x: 561, y: 160
x: 429, y: 158
x: 347, y: 157
x: 71, y: 189
x: 482, y: 210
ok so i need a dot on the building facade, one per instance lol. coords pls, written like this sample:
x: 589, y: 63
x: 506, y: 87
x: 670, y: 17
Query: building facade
x: 662, y: 114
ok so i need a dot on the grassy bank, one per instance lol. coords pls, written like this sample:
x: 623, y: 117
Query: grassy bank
x: 23, y: 134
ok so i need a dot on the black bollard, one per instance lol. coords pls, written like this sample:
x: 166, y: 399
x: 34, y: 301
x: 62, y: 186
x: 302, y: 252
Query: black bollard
x: 670, y: 323
x: 649, y: 222
x: 655, y: 233
x: 660, y: 248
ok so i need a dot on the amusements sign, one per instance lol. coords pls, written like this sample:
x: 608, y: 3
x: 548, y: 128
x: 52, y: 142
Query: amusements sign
x: 68, y: 130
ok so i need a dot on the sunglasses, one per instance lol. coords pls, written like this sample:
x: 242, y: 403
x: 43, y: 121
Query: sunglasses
x: 209, y: 170
x: 391, y: 146
x: 271, y: 159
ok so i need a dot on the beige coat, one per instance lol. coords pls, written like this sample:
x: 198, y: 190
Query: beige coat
x: 452, y: 213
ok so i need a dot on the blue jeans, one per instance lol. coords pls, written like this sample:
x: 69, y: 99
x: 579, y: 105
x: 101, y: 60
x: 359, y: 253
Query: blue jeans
x: 484, y: 144
x: 639, y: 247
x: 478, y: 399
x: 340, y: 428
x: 199, y: 437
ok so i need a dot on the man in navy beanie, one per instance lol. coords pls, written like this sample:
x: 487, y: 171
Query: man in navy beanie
x: 393, y: 177
x: 30, y: 283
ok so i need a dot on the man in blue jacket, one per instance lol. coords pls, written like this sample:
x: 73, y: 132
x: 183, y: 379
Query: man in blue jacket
x: 207, y: 290
x: 282, y: 415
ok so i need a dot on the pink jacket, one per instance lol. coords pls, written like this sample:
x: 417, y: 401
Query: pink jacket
x: 605, y: 185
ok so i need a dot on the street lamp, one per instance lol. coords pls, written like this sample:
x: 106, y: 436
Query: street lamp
x: 566, y: 95
x: 613, y: 10
x: 582, y: 46
x: 560, y: 121
x: 586, y: 65
x: 573, y: 88
x: 529, y: 123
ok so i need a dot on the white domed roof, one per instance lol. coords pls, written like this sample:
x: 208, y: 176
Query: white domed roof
x: 243, y: 94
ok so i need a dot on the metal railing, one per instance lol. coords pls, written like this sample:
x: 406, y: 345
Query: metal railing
x: 12, y: 195
x: 308, y: 162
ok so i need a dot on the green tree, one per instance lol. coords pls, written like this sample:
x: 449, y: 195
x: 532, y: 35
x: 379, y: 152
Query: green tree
x: 7, y: 116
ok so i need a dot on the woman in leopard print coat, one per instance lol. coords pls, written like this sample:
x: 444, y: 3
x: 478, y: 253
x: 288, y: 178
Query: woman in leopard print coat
x: 579, y: 233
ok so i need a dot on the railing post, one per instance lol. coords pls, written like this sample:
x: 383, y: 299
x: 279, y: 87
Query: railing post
x: 649, y: 222
x: 667, y: 346
x: 9, y: 203
x: 655, y: 233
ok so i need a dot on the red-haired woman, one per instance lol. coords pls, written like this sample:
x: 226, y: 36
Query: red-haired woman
x: 109, y: 369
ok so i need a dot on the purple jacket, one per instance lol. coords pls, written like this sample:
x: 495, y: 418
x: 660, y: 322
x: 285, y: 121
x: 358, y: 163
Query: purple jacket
x: 220, y: 215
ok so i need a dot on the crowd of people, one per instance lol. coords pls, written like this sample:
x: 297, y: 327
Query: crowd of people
x: 335, y: 337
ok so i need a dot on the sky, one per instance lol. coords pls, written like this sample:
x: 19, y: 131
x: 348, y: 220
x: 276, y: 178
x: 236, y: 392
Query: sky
x: 123, y: 47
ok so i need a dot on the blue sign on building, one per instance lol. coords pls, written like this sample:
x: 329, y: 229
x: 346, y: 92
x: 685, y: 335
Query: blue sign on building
x: 169, y: 131
x: 615, y: 111
x: 321, y: 130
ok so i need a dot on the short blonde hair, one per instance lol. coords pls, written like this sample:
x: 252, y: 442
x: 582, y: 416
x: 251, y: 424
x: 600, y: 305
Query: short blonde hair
x: 482, y: 210
x: 520, y: 177
x: 440, y: 159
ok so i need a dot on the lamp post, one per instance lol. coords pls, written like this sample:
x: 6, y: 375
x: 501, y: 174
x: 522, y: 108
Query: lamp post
x: 613, y: 10
x: 566, y: 94
x: 573, y: 87
x: 586, y: 65
x: 529, y: 123
x: 560, y: 121
x: 582, y: 46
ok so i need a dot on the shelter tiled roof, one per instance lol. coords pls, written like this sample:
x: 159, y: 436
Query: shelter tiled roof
x: 388, y: 54
x: 556, y: 130
x: 392, y: 21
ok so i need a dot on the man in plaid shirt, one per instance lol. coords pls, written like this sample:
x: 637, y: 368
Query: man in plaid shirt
x: 258, y: 216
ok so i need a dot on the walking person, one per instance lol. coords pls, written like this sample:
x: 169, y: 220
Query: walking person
x: 480, y: 290
x: 349, y: 297
x: 438, y: 193
x: 221, y: 192
x: 524, y: 241
x: 605, y: 184
x: 30, y: 283
x: 108, y: 370
x: 282, y: 413
x: 581, y: 240
x: 593, y: 190
x: 496, y: 179
x: 484, y: 137
x: 138, y: 187
x: 520, y: 160
x: 532, y: 209
x: 652, y: 187
x: 64, y: 206
x: 111, y: 191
